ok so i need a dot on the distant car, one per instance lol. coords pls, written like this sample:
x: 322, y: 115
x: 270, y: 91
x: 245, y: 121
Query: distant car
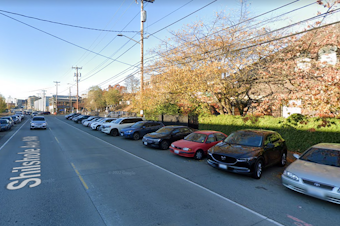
x: 316, y: 172
x: 45, y: 113
x: 196, y: 144
x: 38, y: 122
x: 89, y: 119
x: 10, y: 119
x: 16, y: 119
x: 79, y: 119
x: 139, y: 129
x: 163, y: 137
x: 249, y: 152
x: 97, y: 124
x: 34, y: 114
x: 4, y: 125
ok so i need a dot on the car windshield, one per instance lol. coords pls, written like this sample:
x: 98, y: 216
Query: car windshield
x: 38, y: 119
x: 244, y: 138
x: 165, y: 130
x: 118, y: 121
x: 322, y: 156
x: 196, y: 137
x: 138, y: 124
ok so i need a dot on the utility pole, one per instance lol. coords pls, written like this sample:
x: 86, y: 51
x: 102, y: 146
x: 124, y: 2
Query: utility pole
x: 56, y: 85
x: 70, y: 97
x: 77, y: 75
x: 143, y: 19
x: 44, y: 100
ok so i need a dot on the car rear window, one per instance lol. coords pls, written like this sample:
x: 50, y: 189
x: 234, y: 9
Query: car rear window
x: 38, y: 119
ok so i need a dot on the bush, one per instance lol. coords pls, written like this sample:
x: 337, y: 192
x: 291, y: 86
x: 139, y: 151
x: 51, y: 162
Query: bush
x: 299, y: 131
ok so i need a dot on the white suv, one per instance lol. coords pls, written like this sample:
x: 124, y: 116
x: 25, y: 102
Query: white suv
x: 113, y: 128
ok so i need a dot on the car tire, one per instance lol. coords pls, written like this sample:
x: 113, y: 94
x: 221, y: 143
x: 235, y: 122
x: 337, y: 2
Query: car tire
x: 283, y: 159
x: 199, y: 155
x: 114, y: 132
x: 258, y: 168
x: 136, y: 136
x: 164, y: 145
x: 30, y: 128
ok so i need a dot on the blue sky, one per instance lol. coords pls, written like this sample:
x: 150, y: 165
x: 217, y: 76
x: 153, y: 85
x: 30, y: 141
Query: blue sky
x: 34, y: 53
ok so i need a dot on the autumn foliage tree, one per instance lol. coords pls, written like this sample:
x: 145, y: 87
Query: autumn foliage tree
x: 212, y: 63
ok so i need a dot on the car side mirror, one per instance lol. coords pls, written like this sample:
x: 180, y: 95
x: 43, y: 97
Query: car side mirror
x: 296, y: 156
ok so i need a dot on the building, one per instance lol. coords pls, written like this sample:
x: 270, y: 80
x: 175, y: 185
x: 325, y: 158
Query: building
x: 65, y: 103
x: 30, y: 102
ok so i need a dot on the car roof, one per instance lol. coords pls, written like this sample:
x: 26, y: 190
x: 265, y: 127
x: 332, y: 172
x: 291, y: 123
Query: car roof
x: 207, y: 131
x: 333, y: 146
x: 258, y: 131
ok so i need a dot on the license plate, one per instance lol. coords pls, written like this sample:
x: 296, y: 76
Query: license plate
x: 145, y: 143
x: 176, y: 151
x: 222, y: 166
x: 315, y: 192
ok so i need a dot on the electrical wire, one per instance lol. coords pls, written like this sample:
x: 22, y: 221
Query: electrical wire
x: 69, y: 25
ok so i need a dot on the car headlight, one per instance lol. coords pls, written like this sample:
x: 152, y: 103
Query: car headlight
x: 291, y: 175
x: 246, y: 159
x: 186, y: 149
x: 172, y: 145
x: 210, y: 150
x: 129, y: 131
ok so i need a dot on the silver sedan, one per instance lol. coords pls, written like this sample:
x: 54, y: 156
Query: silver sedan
x: 38, y: 122
x: 316, y: 172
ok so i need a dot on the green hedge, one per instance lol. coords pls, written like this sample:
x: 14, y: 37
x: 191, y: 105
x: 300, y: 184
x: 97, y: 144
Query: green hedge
x: 299, y: 132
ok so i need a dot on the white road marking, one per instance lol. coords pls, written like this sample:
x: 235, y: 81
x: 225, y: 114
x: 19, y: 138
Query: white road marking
x: 12, y: 136
x: 176, y: 175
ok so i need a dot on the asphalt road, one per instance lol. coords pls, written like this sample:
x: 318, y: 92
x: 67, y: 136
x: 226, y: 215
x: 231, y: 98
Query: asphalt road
x: 78, y: 176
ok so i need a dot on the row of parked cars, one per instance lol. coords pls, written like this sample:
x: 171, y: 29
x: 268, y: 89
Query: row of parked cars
x: 315, y: 173
x: 7, y: 122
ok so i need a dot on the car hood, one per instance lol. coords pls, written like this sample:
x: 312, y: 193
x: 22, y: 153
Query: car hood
x: 187, y: 144
x: 234, y: 150
x: 315, y: 172
x: 156, y: 135
x: 128, y: 128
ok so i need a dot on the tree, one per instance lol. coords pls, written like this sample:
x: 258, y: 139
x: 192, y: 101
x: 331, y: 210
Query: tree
x: 3, y: 105
x: 113, y: 96
x: 95, y: 100
x: 132, y: 84
x: 207, y: 63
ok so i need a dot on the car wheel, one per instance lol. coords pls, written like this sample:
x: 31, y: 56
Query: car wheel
x: 97, y: 128
x: 283, y: 160
x: 30, y: 128
x: 199, y: 155
x: 136, y: 136
x: 258, y: 169
x: 164, y: 145
x: 114, y: 132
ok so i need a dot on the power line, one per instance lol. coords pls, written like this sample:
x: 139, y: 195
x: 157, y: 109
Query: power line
x: 69, y: 25
x: 64, y: 40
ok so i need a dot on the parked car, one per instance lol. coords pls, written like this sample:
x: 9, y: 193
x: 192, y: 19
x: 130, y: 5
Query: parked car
x: 139, y: 129
x: 16, y: 119
x: 94, y: 121
x: 38, y: 122
x: 249, y: 152
x: 9, y: 118
x: 89, y: 119
x: 163, y: 137
x: 97, y: 125
x: 5, y: 125
x: 79, y: 119
x: 316, y: 172
x: 196, y: 144
x: 34, y: 114
x: 113, y: 128
x: 71, y: 116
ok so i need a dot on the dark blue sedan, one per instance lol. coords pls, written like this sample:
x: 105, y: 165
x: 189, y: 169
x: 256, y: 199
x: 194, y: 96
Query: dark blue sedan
x: 139, y: 129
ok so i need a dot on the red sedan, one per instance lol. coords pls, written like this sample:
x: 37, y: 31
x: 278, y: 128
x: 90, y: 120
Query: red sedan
x: 196, y: 144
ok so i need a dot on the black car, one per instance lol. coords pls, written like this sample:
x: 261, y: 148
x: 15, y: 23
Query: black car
x: 249, y: 152
x: 81, y: 118
x: 163, y: 137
